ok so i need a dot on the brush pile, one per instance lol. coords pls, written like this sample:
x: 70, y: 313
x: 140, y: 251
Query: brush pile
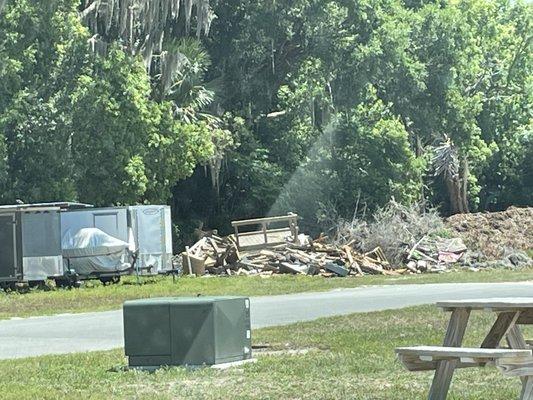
x: 411, y: 238
x: 495, y: 234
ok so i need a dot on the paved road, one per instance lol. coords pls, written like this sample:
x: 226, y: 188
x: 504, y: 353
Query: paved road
x: 103, y: 330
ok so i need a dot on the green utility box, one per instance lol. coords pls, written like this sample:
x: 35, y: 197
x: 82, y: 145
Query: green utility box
x: 187, y: 331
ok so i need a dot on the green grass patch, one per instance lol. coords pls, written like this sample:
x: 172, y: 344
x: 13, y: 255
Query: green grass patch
x: 97, y: 297
x: 349, y: 357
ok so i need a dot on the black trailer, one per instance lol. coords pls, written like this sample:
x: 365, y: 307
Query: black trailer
x: 30, y: 244
x: 10, y: 249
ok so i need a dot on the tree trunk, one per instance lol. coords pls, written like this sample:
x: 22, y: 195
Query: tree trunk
x: 454, y: 193
x: 419, y: 152
x: 457, y: 186
x: 464, y: 187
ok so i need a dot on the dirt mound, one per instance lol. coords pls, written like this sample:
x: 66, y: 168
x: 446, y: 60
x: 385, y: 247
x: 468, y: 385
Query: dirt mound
x: 493, y: 234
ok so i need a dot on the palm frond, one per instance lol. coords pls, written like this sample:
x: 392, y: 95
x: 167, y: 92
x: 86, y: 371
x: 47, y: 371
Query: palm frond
x: 445, y: 159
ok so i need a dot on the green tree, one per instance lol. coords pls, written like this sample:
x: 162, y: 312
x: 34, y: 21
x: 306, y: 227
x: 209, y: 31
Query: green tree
x: 76, y: 125
x: 37, y: 71
x: 364, y: 157
x: 126, y: 146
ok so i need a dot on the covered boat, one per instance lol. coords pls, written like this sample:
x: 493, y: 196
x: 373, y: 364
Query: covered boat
x: 92, y: 252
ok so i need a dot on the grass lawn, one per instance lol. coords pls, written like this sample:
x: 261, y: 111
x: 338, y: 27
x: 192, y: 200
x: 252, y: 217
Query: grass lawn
x: 348, y: 357
x: 96, y: 297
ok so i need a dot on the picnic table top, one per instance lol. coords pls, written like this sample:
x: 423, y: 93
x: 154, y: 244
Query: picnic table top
x: 495, y: 303
x: 463, y: 352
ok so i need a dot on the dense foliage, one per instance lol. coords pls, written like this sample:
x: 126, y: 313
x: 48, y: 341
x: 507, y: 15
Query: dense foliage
x: 241, y: 108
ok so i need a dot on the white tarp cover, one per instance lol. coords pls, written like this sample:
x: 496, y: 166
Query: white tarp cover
x: 92, y: 250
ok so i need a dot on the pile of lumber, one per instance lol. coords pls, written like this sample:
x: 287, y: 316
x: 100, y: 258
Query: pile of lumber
x: 214, y: 255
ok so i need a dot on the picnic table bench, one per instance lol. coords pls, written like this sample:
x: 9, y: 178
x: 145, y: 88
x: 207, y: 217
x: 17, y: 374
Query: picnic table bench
x: 517, y: 360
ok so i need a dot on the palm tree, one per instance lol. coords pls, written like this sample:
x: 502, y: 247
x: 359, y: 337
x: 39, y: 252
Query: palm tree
x: 454, y: 172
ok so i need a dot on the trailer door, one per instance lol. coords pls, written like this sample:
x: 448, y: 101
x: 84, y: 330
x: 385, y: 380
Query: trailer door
x: 108, y: 222
x: 8, y: 253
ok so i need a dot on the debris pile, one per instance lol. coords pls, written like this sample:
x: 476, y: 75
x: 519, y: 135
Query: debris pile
x: 215, y: 255
x: 435, y: 254
x: 413, y: 239
x: 395, y: 228
x: 494, y: 234
x: 398, y: 240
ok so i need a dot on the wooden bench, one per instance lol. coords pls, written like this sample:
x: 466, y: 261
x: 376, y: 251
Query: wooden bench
x: 265, y: 237
x: 511, y: 362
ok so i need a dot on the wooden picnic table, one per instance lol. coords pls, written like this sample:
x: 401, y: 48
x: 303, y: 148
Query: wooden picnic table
x: 511, y: 313
x: 516, y: 360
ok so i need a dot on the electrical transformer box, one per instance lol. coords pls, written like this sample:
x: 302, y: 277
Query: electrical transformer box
x: 187, y: 331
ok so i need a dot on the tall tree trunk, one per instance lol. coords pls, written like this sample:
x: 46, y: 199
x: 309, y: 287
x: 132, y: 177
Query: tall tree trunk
x: 464, y: 181
x: 419, y: 151
x: 457, y: 186
x: 454, y: 193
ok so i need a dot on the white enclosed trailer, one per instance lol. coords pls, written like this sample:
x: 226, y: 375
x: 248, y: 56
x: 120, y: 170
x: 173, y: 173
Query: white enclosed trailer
x: 146, y: 228
x: 151, y: 227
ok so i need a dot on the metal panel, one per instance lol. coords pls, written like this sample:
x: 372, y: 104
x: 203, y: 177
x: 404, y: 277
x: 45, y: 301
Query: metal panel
x: 147, y: 329
x: 8, y: 253
x: 112, y: 221
x: 167, y: 222
x: 41, y: 268
x: 41, y: 244
x: 232, y: 330
x: 152, y: 232
x: 41, y: 235
x: 109, y: 222
x: 192, y: 331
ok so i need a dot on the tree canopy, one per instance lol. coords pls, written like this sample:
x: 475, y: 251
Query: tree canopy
x: 238, y: 108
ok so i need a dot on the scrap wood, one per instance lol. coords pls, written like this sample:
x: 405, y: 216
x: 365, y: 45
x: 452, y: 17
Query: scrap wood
x: 220, y: 255
x: 434, y: 254
x: 292, y: 268
x: 320, y: 239
x: 413, y: 249
x: 377, y: 256
x: 353, y: 264
x: 449, y: 257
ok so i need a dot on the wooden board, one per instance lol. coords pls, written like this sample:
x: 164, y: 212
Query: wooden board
x: 415, y: 364
x: 462, y: 352
x: 498, y: 303
x: 256, y: 240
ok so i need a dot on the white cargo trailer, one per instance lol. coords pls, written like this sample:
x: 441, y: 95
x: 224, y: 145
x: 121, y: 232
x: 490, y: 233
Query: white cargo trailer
x: 151, y: 227
x: 146, y: 228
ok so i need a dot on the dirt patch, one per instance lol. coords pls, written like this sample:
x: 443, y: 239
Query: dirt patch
x: 494, y: 234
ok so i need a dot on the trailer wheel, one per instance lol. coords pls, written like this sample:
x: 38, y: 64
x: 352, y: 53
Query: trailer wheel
x: 41, y: 285
x: 69, y: 281
x: 61, y: 283
x: 110, y: 280
x: 8, y: 286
